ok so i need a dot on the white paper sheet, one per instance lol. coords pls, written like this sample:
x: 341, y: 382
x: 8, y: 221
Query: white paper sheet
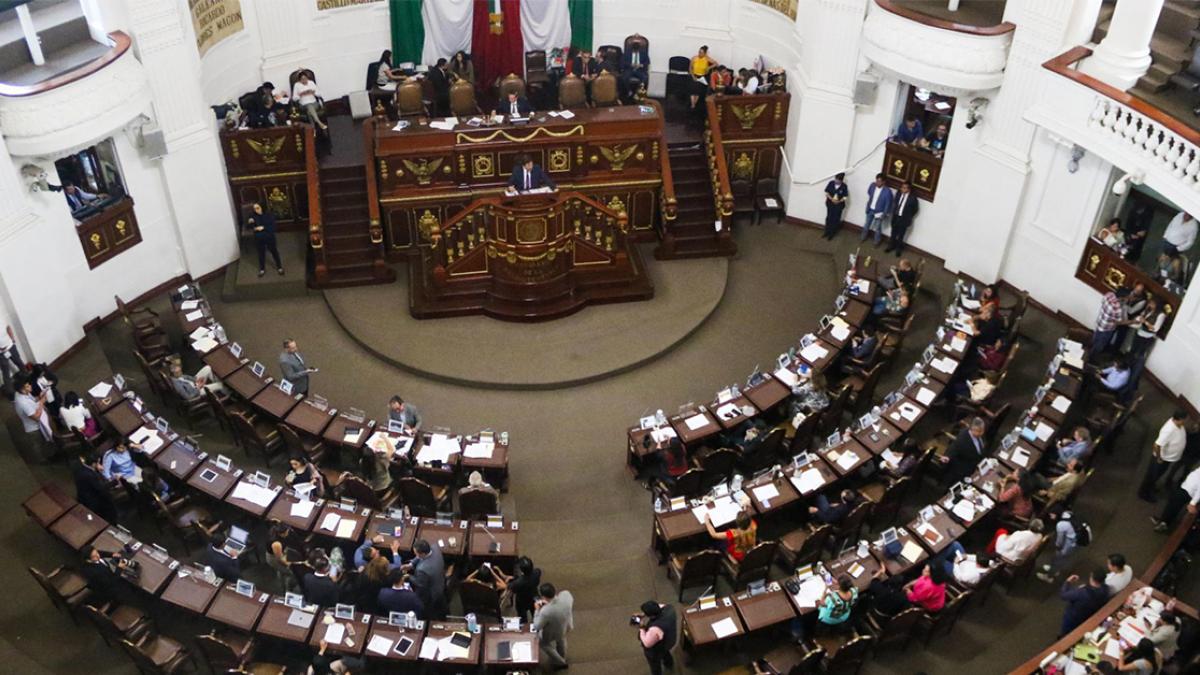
x: 911, y: 551
x: 724, y: 628
x: 809, y: 480
x: 1020, y: 457
x: 892, y: 459
x: 663, y: 434
x: 787, y: 377
x: 254, y: 494
x: 522, y: 652
x: 152, y: 444
x: 205, y: 345
x: 944, y: 365
x: 379, y: 645
x: 728, y: 411
x: 200, y: 332
x: 429, y: 649
x: 479, y: 450
x: 957, y: 344
x: 1044, y: 431
x: 925, y: 396
x: 697, y: 421
x: 964, y: 510
x: 810, y: 591
x: 839, y: 333
x: 330, y: 522
x: 724, y: 511
x: 346, y: 527
x: 100, y: 390
x: 334, y: 633
x: 189, y: 305
x: 813, y: 352
x: 299, y: 618
x: 1061, y: 403
x: 353, y: 438
x: 449, y: 650
x: 766, y: 492
x: 909, y: 411
x: 303, y: 509
x: 141, y: 435
x: 847, y: 460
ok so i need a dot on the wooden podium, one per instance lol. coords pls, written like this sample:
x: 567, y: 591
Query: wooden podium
x: 526, y: 258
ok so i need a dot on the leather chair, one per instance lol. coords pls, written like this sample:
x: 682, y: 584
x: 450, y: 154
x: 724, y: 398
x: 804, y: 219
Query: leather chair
x: 690, y: 484
x: 851, y: 525
x: 194, y: 409
x: 756, y: 564
x: 764, y: 189
x: 535, y: 68
x: 148, y: 372
x: 697, y: 569
x: 793, y: 659
x: 352, y: 487
x: 142, y: 320
x: 718, y: 464
x: 156, y: 655
x: 293, y: 78
x: 119, y: 622
x: 637, y: 40
x: 263, y: 438
x: 610, y: 55
x: 462, y: 99
x: 479, y: 598
x: 804, y: 546
x: 478, y: 503
x: 831, y: 416
x: 604, y: 90
x: 187, y: 520
x: 849, y: 655
x: 893, y: 630
x: 511, y: 84
x: 67, y: 589
x: 421, y: 498
x: 1010, y: 574
x: 743, y: 197
x: 572, y: 92
x: 888, y: 497
x: 410, y: 99
x: 862, y: 386
x: 312, y: 448
x: 224, y: 654
x: 945, y: 620
x: 679, y: 77
x: 802, y: 438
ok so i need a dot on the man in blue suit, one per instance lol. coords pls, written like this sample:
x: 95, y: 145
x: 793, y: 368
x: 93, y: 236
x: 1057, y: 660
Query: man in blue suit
x: 879, y: 205
x: 528, y: 176
x: 635, y: 68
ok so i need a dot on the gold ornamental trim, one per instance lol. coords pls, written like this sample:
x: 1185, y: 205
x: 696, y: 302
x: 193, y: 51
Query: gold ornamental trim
x: 779, y: 140
x: 258, y: 176
x: 463, y: 137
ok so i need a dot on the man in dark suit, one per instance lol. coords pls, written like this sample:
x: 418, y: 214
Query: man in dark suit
x: 907, y: 206
x: 635, y: 69
x: 429, y: 578
x: 514, y: 106
x: 222, y: 564
x: 584, y: 66
x: 439, y: 79
x: 319, y: 588
x: 964, y: 453
x: 529, y: 176
x: 295, y: 370
x: 400, y: 597
x: 100, y: 570
x: 92, y: 490
x: 830, y: 513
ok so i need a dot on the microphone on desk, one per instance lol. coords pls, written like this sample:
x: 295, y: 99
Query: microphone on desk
x: 495, y: 545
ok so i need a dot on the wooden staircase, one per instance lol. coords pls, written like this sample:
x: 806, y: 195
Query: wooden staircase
x: 1170, y: 48
x: 350, y: 257
x: 692, y: 233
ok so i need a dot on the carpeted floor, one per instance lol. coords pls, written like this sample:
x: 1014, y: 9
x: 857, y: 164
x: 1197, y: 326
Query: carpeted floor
x: 584, y: 521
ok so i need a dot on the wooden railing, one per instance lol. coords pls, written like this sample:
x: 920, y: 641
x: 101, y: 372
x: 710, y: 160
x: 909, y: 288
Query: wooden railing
x: 722, y: 191
x: 316, y: 230
x: 668, y: 204
x: 374, y: 223
x: 934, y: 22
x: 120, y: 44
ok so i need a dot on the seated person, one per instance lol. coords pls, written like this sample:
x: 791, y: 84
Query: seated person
x: 635, y: 74
x: 887, y: 593
x: 989, y: 296
x: 387, y: 76
x: 809, y: 396
x: 668, y: 462
x: 910, y: 132
x: 1115, y: 377
x: 982, y: 387
x: 750, y: 81
x: 991, y: 356
x: 739, y: 538
x: 831, y: 513
x: 928, y: 591
x: 1170, y: 268
x: 893, y: 303
x: 277, y: 101
x: 319, y: 585
x: 462, y: 68
x: 514, y: 106
x: 1014, y: 548
x: 118, y: 464
x: 101, y: 571
x: 370, y: 550
x: 188, y: 387
x: 719, y: 80
x: 336, y: 663
x: 1016, y: 492
x: 936, y: 141
x: 475, y: 483
x: 900, y: 274
x: 78, y: 198
x: 989, y: 327
x: 910, y: 456
x: 1111, y: 235
x: 306, y: 95
x: 861, y: 348
x: 528, y: 176
x: 76, y: 416
x: 1061, y: 487
x: 489, y: 576
x: 223, y: 564
x: 302, y: 472
x: 1077, y: 446
x: 400, y: 597
x: 964, y: 568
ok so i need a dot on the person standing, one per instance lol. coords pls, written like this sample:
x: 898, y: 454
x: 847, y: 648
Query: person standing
x: 11, y: 364
x: 879, y: 204
x: 658, y: 627
x: 34, y: 417
x: 92, y: 490
x: 1083, y: 600
x: 263, y: 226
x: 552, y: 620
x: 1165, y: 454
x: 1187, y: 494
x: 1112, y: 313
x: 429, y: 578
x: 907, y: 206
x: 439, y: 79
x: 405, y: 413
x: 965, y: 452
x: 293, y: 367
x: 836, y: 193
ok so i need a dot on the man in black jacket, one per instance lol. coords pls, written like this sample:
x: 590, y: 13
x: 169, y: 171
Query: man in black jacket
x: 907, y: 206
x: 400, y: 597
x: 514, y: 106
x: 319, y: 588
x: 964, y: 453
x: 529, y: 176
x: 658, y: 627
x: 100, y: 570
x: 429, y: 578
x: 439, y: 79
x: 831, y: 513
x: 224, y: 565
x: 92, y: 490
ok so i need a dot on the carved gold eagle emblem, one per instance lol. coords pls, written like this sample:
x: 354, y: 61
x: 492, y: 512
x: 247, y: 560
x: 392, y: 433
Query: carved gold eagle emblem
x: 748, y: 115
x: 423, y: 169
x: 267, y: 148
x: 617, y: 157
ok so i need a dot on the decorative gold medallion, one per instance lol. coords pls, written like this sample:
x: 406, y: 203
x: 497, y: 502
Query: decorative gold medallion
x: 560, y: 159
x: 743, y: 167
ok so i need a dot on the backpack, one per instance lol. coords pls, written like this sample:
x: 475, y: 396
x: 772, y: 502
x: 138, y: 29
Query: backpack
x: 1083, y: 532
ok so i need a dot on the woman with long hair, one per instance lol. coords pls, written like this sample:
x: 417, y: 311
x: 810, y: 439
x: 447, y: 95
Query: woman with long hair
x: 738, y: 539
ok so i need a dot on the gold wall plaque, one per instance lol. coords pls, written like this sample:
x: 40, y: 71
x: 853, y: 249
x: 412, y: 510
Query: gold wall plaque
x: 278, y: 204
x: 1114, y: 278
x: 559, y: 160
x: 743, y: 167
x: 423, y: 169
x: 898, y: 167
x: 482, y: 166
x: 531, y: 230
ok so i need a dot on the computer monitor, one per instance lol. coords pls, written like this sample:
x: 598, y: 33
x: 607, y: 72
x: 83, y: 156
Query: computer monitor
x: 258, y: 369
x: 285, y: 386
x: 238, y: 534
x: 890, y: 536
x: 833, y: 439
x: 866, y: 420
x: 343, y: 611
x: 294, y: 600
x: 208, y: 475
x: 162, y: 425
x: 802, y: 460
x: 912, y: 378
x: 245, y: 588
x: 119, y: 381
x: 395, y: 426
x: 783, y: 361
x: 261, y: 478
x: 927, y: 513
x: 397, y: 618
x: 235, y: 349
x: 807, y: 340
x: 223, y: 462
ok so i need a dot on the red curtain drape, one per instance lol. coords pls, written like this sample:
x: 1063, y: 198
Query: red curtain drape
x: 497, y: 55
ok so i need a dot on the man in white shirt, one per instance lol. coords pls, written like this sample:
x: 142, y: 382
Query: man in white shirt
x: 1187, y: 494
x: 1167, y: 451
x: 751, y: 85
x: 1014, y: 548
x: 10, y: 358
x: 34, y: 418
x: 305, y: 94
x: 1180, y: 233
x: 1119, y: 574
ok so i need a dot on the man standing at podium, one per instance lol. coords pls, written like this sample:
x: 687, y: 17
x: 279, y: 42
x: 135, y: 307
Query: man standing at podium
x: 529, y: 176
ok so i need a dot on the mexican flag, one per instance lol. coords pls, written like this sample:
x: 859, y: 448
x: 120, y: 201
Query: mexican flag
x: 496, y: 33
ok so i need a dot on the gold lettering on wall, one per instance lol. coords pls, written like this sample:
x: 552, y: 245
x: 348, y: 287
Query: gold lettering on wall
x: 215, y: 20
x: 786, y: 7
x: 323, y: 5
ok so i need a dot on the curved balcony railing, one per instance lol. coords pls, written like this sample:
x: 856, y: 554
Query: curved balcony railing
x: 119, y: 44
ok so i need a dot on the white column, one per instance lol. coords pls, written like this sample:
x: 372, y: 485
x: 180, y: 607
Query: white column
x: 1123, y: 56
x: 1083, y: 22
x: 280, y: 25
x: 193, y: 169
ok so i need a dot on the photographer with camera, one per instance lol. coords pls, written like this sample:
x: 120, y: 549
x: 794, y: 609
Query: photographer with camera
x: 658, y: 627
x: 101, y: 570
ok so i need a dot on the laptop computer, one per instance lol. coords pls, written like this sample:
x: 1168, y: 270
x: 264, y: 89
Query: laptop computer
x: 236, y: 540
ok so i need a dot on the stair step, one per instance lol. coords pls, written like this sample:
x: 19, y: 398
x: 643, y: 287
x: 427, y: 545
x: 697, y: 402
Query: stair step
x: 342, y: 172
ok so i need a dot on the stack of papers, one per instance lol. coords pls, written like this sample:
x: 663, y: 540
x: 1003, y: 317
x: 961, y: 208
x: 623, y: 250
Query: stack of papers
x: 697, y: 421
x: 847, y: 460
x: 351, y: 439
x: 766, y: 492
x: 194, y: 316
x: 723, y: 512
x: 728, y: 411
x: 929, y: 534
x: 445, y: 124
x: 965, y: 510
x: 1044, y: 431
x: 441, y: 443
x: 259, y: 496
x: 1061, y: 403
x: 957, y: 344
x: 1020, y: 457
x: 429, y: 649
x: 814, y: 352
x: 810, y: 591
x: 909, y: 411
x: 522, y: 652
x: 300, y: 618
x: 100, y: 390
x: 855, y: 570
x: 189, y: 305
x: 944, y: 364
x: 303, y: 509
x: 890, y: 458
x: 925, y: 396
x: 787, y: 377
x: 724, y: 628
x: 480, y: 450
x: 662, y: 435
x: 205, y: 345
x: 334, y: 633
x: 809, y: 480
x: 379, y: 645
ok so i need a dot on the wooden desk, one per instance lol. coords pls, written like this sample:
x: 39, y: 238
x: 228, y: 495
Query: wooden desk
x: 451, y: 538
x: 894, y: 414
x: 223, y: 362
x: 384, y: 525
x: 480, y: 545
x: 988, y: 482
x: 359, y: 517
x: 494, y: 635
x: 851, y: 562
x: 702, y: 431
x: 221, y: 484
x: 104, y: 404
x: 844, y: 467
x: 354, y: 636
x: 157, y: 568
x: 190, y: 590
x: 981, y: 504
x: 955, y: 344
x: 764, y: 610
x: 78, y: 526
x: 113, y: 539
x: 856, y: 313
x: 281, y: 510
x: 124, y: 418
x: 274, y: 402
x: 1067, y: 383
x: 155, y: 437
x: 190, y: 320
x: 256, y: 510
x: 444, y: 629
x: 697, y: 623
x: 1020, y: 456
x: 879, y: 436
x: 864, y: 296
x: 943, y: 376
x: 178, y: 459
x: 1046, y: 408
x: 820, y: 363
x: 900, y: 565
x: 732, y: 412
x: 335, y: 431
x: 274, y: 622
x: 47, y: 505
x: 920, y: 390
x: 246, y: 383
x: 942, y: 524
x: 438, y: 475
x: 785, y: 497
x: 828, y: 475
x: 769, y: 393
x: 235, y: 610
x: 1049, y: 442
x: 380, y: 627
x: 310, y: 419
x: 673, y: 528
x: 494, y: 468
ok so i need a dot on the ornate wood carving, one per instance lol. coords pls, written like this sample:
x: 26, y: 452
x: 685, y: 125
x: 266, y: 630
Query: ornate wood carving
x: 1105, y: 270
x: 268, y: 166
x: 109, y: 233
x: 902, y: 163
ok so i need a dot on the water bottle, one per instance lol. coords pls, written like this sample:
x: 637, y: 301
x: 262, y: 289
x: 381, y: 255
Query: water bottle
x: 410, y: 621
x: 472, y: 623
x: 209, y: 575
x: 659, y: 418
x: 659, y: 507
